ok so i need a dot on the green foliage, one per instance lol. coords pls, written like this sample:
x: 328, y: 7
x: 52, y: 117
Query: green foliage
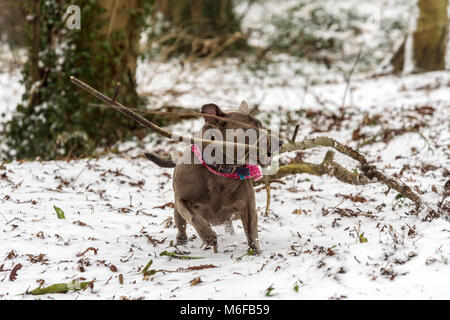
x: 398, y: 202
x: 54, y: 118
x: 147, y: 266
x: 178, y: 256
x: 59, y: 212
x: 62, y: 287
x: 362, y: 239
x: 269, y: 291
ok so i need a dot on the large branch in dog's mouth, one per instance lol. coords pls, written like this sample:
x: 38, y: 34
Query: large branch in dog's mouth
x: 153, y: 127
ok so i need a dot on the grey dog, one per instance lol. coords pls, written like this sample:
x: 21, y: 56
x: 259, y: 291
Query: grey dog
x: 205, y: 199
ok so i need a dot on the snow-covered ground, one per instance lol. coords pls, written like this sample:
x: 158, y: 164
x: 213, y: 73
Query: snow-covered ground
x: 308, y: 240
x: 118, y: 213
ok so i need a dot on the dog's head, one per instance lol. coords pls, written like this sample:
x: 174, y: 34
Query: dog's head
x: 240, y: 127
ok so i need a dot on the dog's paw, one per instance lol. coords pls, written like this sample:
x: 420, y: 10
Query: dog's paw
x: 210, y: 238
x: 229, y: 228
x: 182, y: 239
x: 253, y: 249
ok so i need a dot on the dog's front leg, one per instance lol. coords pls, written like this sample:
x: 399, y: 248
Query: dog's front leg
x: 180, y: 222
x: 194, y: 214
x: 249, y: 218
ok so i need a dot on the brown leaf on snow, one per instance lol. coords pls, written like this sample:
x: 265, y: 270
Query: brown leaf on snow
x: 447, y: 185
x: 168, y: 222
x: 168, y: 175
x: 314, y: 189
x: 139, y: 184
x: 351, y: 197
x: 11, y: 255
x: 195, y: 281
x: 200, y: 267
x: 154, y: 241
x: 13, y: 274
x: 113, y: 268
x: 168, y: 204
x: 428, y: 167
x: 37, y: 258
x: 82, y: 224
x: 425, y: 110
x: 87, y: 250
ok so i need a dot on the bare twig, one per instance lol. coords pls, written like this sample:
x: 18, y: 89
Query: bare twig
x: 348, y: 78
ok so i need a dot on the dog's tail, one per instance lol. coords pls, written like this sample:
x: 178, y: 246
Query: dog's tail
x: 164, y: 163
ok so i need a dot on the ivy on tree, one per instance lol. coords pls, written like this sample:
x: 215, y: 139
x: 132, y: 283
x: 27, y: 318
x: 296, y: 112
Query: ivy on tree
x: 55, y: 120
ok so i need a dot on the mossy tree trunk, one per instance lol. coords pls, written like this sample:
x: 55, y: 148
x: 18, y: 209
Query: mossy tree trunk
x: 430, y: 37
x: 54, y: 119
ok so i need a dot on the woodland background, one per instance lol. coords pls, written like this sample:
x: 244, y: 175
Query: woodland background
x: 81, y: 207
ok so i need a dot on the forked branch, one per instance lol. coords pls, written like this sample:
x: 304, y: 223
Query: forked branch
x: 328, y: 165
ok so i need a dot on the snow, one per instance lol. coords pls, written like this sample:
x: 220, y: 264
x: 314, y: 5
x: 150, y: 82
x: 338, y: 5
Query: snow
x: 311, y: 237
x: 317, y: 250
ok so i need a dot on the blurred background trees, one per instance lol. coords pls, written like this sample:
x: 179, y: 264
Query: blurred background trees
x: 56, y: 120
x: 429, y: 39
x: 197, y: 27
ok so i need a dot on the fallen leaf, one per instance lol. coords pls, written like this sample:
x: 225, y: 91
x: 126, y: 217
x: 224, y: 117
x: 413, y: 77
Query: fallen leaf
x: 168, y: 204
x: 195, y: 281
x: 13, y: 274
x: 88, y: 249
x: 59, y: 213
x: 200, y: 267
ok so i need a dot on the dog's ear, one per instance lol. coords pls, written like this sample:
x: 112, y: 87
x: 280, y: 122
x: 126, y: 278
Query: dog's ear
x: 212, y: 109
x: 243, y: 107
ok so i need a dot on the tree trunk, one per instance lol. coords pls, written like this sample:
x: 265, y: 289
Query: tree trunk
x: 203, y: 25
x: 35, y: 7
x: 122, y: 31
x: 201, y: 17
x: 102, y: 52
x: 430, y: 37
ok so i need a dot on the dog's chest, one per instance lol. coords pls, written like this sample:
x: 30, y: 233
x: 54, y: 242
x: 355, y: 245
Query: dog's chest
x: 218, y: 189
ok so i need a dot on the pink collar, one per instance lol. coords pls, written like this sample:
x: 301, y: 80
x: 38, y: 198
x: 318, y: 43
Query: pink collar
x: 255, y: 172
